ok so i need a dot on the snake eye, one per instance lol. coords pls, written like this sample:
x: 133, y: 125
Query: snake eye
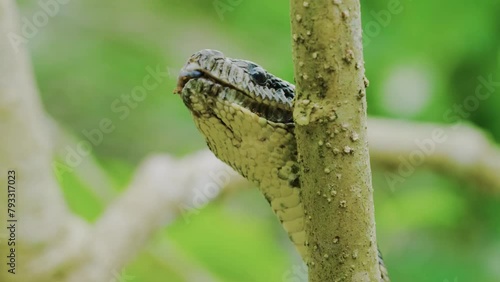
x: 258, y: 75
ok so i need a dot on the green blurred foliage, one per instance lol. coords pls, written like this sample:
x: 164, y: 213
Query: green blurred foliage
x: 431, y: 227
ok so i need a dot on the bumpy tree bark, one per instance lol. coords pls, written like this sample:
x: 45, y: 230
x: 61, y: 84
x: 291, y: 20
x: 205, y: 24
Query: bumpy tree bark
x: 330, y: 118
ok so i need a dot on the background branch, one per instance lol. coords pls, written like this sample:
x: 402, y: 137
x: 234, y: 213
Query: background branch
x: 459, y: 150
x: 161, y: 190
x: 46, y: 228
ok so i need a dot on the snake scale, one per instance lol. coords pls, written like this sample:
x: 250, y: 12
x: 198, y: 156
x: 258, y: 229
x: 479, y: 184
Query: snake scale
x: 245, y: 115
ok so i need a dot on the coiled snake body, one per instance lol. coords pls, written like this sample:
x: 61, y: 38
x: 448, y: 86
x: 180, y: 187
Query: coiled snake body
x: 245, y: 115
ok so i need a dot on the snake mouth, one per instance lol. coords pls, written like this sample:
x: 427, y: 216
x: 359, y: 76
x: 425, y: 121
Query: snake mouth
x: 193, y: 72
x: 236, y: 98
x: 201, y: 78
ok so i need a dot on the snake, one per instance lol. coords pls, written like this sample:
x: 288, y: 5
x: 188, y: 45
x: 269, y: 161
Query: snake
x: 245, y: 114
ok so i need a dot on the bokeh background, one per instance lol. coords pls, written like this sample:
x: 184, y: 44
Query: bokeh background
x: 420, y: 61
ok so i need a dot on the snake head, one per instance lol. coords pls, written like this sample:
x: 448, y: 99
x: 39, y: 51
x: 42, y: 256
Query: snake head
x: 244, y: 114
x: 209, y: 78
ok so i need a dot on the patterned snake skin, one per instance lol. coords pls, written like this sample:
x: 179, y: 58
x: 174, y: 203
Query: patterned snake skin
x: 245, y: 115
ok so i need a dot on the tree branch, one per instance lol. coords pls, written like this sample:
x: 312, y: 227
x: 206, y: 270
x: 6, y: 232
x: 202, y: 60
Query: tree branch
x: 162, y: 190
x: 459, y: 150
x: 330, y: 126
x: 45, y: 226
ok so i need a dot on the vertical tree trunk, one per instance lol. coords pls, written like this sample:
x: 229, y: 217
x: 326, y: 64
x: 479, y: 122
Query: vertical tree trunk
x: 330, y: 118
